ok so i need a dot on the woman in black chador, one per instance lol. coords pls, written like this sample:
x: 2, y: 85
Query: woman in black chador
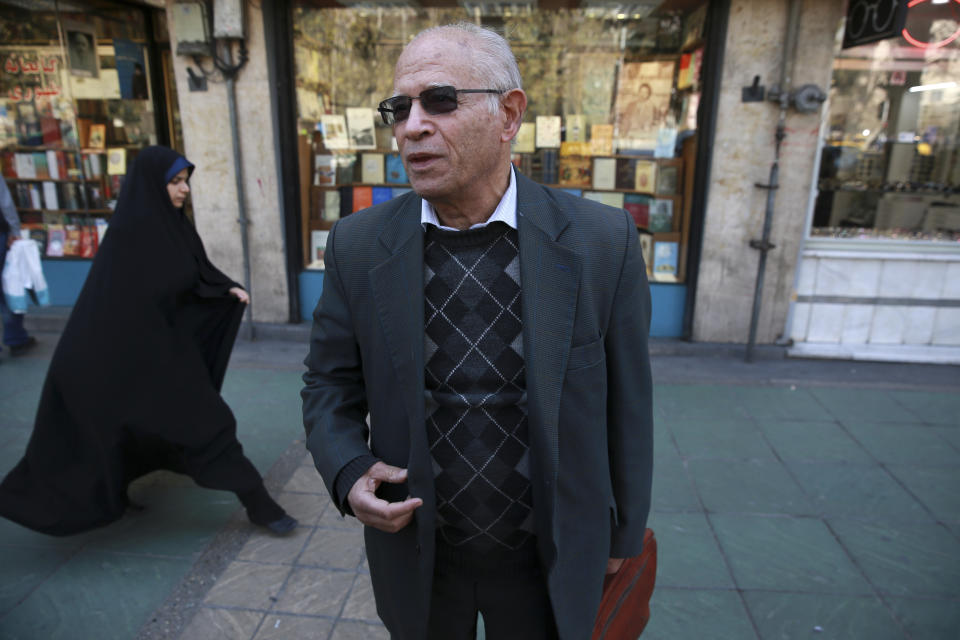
x: 134, y: 384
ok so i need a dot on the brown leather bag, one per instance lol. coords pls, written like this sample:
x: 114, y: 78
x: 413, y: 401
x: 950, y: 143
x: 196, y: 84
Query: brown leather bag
x: 625, y: 604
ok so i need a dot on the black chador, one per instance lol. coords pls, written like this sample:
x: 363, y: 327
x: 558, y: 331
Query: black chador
x: 134, y: 383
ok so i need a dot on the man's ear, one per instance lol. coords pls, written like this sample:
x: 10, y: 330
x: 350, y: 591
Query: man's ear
x: 514, y: 105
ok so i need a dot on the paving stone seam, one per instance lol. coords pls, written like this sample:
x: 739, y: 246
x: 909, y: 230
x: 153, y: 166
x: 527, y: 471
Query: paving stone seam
x: 169, y: 620
x: 880, y: 595
x: 713, y: 532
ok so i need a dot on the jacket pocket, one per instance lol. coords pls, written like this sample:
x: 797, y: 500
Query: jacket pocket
x: 586, y: 355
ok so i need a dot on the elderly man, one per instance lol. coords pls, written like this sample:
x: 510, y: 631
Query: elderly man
x: 493, y: 335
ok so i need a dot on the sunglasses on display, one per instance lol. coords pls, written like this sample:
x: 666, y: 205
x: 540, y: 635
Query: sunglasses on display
x: 434, y: 101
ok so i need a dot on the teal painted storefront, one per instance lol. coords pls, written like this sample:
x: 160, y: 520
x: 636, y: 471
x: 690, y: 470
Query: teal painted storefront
x: 667, y: 301
x: 65, y: 279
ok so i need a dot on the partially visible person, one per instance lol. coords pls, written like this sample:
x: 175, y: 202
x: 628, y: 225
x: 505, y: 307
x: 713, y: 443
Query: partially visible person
x: 134, y: 383
x: 15, y: 337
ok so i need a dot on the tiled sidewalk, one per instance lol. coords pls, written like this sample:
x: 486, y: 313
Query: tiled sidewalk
x: 780, y: 513
x: 791, y: 500
x: 313, y: 584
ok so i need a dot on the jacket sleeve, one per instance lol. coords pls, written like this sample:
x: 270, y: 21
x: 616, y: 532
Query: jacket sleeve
x: 630, y: 402
x: 334, y: 395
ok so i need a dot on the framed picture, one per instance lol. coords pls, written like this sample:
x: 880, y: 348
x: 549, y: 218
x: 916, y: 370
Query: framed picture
x: 98, y: 136
x: 82, y: 50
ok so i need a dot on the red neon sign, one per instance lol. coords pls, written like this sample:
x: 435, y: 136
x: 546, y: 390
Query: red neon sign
x: 928, y: 45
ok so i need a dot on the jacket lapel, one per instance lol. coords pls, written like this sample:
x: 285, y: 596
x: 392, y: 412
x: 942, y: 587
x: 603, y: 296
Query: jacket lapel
x: 550, y: 279
x: 397, y: 285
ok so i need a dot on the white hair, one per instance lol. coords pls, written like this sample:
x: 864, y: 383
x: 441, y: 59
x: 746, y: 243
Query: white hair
x: 493, y: 59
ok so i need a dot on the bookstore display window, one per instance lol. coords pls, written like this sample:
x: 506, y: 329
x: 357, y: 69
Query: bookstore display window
x: 75, y: 106
x: 613, y: 97
x: 890, y: 162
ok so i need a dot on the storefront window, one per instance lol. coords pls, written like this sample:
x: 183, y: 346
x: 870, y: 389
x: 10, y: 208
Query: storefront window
x: 890, y: 165
x: 613, y: 97
x: 75, y: 106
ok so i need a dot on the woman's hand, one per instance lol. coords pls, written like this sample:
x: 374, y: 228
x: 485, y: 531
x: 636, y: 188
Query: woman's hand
x: 240, y: 295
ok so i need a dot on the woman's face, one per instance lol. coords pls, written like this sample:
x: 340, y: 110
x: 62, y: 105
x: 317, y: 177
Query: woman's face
x: 178, y: 188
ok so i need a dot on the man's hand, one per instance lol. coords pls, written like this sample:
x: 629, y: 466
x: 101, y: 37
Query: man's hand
x: 614, y: 564
x: 377, y: 513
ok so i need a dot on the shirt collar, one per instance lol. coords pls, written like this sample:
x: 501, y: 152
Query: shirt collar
x: 506, y: 211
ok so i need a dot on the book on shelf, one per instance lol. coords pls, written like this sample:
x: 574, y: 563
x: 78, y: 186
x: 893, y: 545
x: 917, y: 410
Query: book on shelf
x: 573, y: 192
x: 381, y: 194
x: 98, y: 136
x: 667, y: 181
x: 548, y: 132
x: 50, y: 129
x: 35, y: 231
x: 396, y: 192
x: 661, y: 216
x: 324, y: 170
x: 71, y: 240
x: 548, y: 166
x: 40, y: 162
x: 8, y: 164
x: 575, y: 171
x: 92, y: 165
x: 56, y: 236
x: 53, y: 165
x: 360, y: 128
x: 116, y: 161
x: 645, y: 176
x: 331, y: 205
x: 362, y: 198
x: 50, y: 199
x: 573, y: 148
x: 24, y: 166
x: 526, y: 139
x: 604, y: 173
x: 646, y: 249
x: 609, y: 198
x: 638, y: 206
x: 576, y: 128
x: 371, y: 168
x: 347, y: 168
x: 666, y: 256
x: 36, y: 200
x: 88, y: 241
x: 396, y: 173
x: 318, y: 245
x: 523, y: 162
x: 601, y: 139
x: 626, y: 176
x: 334, y: 131
x: 346, y: 201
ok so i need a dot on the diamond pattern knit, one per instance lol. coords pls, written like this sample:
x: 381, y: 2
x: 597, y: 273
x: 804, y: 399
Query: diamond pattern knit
x: 476, y: 388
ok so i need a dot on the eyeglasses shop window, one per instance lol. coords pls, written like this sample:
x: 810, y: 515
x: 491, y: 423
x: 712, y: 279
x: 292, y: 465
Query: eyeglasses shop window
x: 890, y: 165
x: 613, y: 95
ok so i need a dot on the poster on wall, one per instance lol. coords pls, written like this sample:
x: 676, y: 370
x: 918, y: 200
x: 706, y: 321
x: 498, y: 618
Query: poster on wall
x: 31, y: 88
x: 82, y: 49
x: 131, y: 70
x: 642, y: 103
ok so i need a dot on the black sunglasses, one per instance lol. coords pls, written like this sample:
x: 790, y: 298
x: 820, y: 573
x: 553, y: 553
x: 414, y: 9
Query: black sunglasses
x: 434, y: 101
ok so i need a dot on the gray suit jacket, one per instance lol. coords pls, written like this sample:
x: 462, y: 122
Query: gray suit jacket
x: 586, y: 314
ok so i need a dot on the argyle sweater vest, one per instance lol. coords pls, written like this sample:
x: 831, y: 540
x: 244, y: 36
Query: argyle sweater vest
x: 476, y: 388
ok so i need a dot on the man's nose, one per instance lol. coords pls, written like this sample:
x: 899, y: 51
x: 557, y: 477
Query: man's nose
x: 418, y: 121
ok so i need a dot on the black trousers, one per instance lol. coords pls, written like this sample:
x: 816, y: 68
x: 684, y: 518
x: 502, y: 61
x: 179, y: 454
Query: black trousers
x: 507, y: 588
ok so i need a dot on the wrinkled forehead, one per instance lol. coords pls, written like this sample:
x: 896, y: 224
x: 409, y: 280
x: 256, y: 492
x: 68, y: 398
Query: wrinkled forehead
x: 435, y: 59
